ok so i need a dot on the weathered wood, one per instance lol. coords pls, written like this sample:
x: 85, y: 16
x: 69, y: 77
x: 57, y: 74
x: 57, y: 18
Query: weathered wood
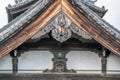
x: 104, y: 55
x: 14, y: 54
x: 31, y: 29
x: 15, y: 65
x: 50, y: 44
x: 104, y: 66
x: 76, y: 15
x: 95, y: 32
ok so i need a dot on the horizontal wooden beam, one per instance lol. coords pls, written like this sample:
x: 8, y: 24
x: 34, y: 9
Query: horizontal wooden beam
x: 57, y: 46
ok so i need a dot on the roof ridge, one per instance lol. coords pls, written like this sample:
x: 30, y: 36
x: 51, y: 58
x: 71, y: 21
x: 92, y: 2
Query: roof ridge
x: 104, y: 24
x: 20, y: 4
x: 22, y: 19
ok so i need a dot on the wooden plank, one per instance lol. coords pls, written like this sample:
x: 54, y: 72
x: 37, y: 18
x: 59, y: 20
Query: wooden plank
x: 79, y: 19
x: 32, y: 28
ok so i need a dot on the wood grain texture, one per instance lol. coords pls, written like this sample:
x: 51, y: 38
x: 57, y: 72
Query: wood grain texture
x: 76, y: 15
x: 31, y: 29
x: 95, y: 31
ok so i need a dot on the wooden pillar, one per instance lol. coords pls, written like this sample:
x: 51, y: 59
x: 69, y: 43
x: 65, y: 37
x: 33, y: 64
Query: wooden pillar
x: 15, y: 65
x: 104, y: 66
x: 14, y: 62
x: 105, y: 54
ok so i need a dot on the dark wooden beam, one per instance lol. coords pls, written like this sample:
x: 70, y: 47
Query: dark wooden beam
x: 104, y: 55
x: 104, y: 66
x: 15, y: 65
x: 14, y: 55
x: 51, y: 44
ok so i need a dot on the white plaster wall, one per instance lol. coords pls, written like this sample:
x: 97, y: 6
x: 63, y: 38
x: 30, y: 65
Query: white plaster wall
x: 35, y: 60
x: 6, y: 64
x: 113, y: 62
x: 78, y: 60
x: 83, y: 60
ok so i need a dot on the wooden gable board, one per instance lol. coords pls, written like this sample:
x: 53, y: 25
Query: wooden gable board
x: 77, y: 15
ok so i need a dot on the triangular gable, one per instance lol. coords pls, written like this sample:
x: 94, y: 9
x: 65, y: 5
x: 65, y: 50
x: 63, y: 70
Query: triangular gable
x: 12, y: 41
x: 62, y: 29
x: 94, y: 26
x: 83, y: 17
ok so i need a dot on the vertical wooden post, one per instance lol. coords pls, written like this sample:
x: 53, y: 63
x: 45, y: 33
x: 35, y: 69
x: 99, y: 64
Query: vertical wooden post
x: 15, y: 65
x: 104, y: 65
x: 14, y: 62
x: 105, y: 54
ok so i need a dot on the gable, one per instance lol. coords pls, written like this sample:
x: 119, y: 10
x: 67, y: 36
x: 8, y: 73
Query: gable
x: 14, y: 40
x: 94, y: 26
x: 84, y: 19
x: 61, y: 28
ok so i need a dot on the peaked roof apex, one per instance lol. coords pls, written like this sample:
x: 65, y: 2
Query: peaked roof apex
x: 76, y: 15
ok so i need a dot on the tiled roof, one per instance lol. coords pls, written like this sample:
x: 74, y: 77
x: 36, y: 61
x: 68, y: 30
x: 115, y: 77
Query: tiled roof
x: 91, y: 15
x: 22, y: 19
x: 26, y: 17
x: 24, y: 2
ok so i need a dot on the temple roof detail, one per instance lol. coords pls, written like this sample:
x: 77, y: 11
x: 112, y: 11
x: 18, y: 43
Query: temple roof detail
x: 61, y: 29
x: 80, y: 8
x: 100, y: 21
x: 18, y: 22
x: 22, y: 3
x: 22, y: 19
x: 89, y: 3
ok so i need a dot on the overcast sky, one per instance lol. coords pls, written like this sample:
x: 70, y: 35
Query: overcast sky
x: 112, y: 16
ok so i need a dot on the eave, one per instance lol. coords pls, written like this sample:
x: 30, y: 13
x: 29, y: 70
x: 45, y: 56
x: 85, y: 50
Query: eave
x: 31, y: 29
x: 95, y: 30
x: 77, y: 15
x: 20, y: 7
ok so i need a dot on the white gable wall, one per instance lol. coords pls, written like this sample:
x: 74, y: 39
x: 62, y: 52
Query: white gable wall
x: 113, y: 64
x: 83, y: 61
x: 35, y: 61
x: 6, y: 64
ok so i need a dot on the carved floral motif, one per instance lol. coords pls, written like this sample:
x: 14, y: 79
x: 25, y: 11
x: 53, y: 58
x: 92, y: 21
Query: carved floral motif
x: 61, y: 32
x: 61, y: 28
x: 79, y: 32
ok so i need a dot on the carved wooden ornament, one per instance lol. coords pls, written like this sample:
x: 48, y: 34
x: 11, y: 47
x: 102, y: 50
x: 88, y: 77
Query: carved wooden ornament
x: 62, y: 28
